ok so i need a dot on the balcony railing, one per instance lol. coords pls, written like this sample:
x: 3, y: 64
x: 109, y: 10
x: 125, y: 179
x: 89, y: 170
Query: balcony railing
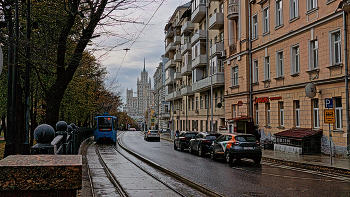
x: 233, y: 10
x: 169, y: 33
x: 169, y: 81
x: 186, y: 70
x: 177, y: 76
x: 217, y: 80
x: 198, y: 14
x: 199, y: 61
x: 186, y: 91
x: 173, y: 95
x: 171, y: 47
x: 217, y: 48
x: 165, y: 115
x: 185, y: 48
x: 177, y: 57
x: 177, y: 40
x: 216, y: 21
x: 170, y: 64
x: 187, y: 26
x: 200, y: 35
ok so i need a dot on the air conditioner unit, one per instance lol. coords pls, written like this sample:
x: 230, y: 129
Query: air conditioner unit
x: 223, y: 53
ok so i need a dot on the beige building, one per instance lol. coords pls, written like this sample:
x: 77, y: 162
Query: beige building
x: 274, y: 50
x: 194, y: 71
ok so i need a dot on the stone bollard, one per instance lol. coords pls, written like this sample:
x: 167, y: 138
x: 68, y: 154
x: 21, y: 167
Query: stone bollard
x: 43, y: 135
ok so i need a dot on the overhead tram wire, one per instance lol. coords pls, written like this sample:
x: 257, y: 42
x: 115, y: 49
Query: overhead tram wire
x: 127, y: 49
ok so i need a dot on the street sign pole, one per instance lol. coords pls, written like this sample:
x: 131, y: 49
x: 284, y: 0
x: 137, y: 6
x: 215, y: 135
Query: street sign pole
x: 330, y: 141
x: 329, y: 118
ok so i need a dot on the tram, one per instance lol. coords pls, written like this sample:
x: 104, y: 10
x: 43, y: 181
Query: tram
x: 106, y: 130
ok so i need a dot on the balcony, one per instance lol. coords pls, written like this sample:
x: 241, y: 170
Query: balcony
x: 187, y: 26
x: 169, y: 81
x: 169, y: 33
x: 173, y: 96
x: 233, y: 10
x: 186, y: 91
x: 165, y: 115
x: 177, y: 40
x: 217, y: 48
x: 170, y: 64
x: 185, y: 48
x: 204, y: 84
x: 198, y: 14
x: 186, y: 70
x: 200, y: 35
x: 216, y: 21
x: 177, y: 76
x: 177, y: 57
x: 171, y: 47
x: 200, y: 61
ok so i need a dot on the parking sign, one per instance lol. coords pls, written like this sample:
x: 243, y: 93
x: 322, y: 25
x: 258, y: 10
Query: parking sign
x: 328, y: 103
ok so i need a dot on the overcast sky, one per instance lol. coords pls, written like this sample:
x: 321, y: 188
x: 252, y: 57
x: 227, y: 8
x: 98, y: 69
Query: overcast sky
x: 149, y: 45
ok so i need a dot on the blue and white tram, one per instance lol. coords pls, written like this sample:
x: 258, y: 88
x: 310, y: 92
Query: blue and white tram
x: 106, y: 129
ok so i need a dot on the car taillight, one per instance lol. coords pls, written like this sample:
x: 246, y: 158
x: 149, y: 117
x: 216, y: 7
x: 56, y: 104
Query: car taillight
x: 109, y: 129
x: 235, y: 143
x: 258, y: 143
x: 100, y: 129
x: 206, y: 141
x: 183, y: 139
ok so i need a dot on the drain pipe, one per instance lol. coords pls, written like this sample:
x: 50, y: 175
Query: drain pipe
x: 250, y: 64
x: 346, y: 82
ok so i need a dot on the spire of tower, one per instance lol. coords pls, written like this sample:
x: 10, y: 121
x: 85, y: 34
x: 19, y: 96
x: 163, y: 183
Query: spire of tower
x: 144, y: 64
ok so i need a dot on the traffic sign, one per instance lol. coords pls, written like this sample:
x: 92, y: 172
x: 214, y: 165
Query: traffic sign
x: 152, y: 120
x: 328, y: 103
x: 329, y: 116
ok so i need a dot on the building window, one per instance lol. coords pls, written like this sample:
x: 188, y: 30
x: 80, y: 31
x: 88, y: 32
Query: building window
x: 313, y: 54
x: 311, y: 4
x: 255, y: 71
x: 279, y: 13
x: 316, y: 118
x: 196, y: 102
x: 279, y: 64
x: 255, y: 27
x: 201, y: 102
x: 335, y: 48
x: 257, y: 114
x: 338, y: 113
x: 293, y: 9
x: 192, y: 103
x: 268, y: 114
x: 281, y: 114
x: 295, y: 60
x: 206, y: 101
x: 267, y: 68
x: 234, y: 76
x: 216, y: 99
x: 189, y: 104
x: 297, y: 114
x: 235, y: 111
x: 266, y: 20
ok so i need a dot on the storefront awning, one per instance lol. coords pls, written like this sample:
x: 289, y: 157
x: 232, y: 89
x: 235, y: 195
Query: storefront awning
x: 298, y: 133
x: 242, y: 118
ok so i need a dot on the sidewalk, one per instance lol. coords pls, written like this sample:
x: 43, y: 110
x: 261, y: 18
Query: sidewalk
x: 313, y: 162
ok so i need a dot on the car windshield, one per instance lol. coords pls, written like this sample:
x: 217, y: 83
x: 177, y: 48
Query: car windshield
x: 153, y: 131
x: 246, y: 138
x: 190, y: 135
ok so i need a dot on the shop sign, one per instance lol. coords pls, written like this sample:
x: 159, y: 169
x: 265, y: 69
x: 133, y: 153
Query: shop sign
x: 266, y: 99
x: 240, y: 103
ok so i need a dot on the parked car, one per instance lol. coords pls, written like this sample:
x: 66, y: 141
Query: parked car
x: 182, y: 140
x: 236, y: 146
x: 201, y: 143
x: 152, y: 135
x: 132, y: 129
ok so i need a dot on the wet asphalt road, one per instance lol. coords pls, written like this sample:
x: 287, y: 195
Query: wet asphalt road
x: 244, y: 179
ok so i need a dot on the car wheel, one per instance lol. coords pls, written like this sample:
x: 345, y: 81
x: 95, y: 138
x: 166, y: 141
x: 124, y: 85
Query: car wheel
x: 257, y: 160
x: 175, y: 148
x: 228, y: 157
x: 200, y: 151
x: 190, y: 150
x: 212, y: 155
x: 181, y: 147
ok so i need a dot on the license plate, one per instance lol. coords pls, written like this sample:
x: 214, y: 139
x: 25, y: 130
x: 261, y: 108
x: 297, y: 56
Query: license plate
x: 248, y: 148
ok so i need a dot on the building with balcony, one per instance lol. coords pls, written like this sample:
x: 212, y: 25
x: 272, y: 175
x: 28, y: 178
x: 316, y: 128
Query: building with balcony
x: 287, y: 47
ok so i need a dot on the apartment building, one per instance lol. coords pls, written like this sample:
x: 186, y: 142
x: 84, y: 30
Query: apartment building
x: 194, y: 73
x: 275, y: 49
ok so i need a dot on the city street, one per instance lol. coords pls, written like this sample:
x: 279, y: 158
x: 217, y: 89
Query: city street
x: 244, y: 179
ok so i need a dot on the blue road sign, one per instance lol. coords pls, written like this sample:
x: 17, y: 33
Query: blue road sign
x: 328, y: 103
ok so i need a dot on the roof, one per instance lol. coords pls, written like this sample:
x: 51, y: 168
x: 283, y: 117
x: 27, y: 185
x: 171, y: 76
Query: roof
x: 299, y: 133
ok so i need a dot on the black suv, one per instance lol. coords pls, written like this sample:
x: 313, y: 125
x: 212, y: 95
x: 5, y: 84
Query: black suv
x: 182, y: 140
x: 202, y: 142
